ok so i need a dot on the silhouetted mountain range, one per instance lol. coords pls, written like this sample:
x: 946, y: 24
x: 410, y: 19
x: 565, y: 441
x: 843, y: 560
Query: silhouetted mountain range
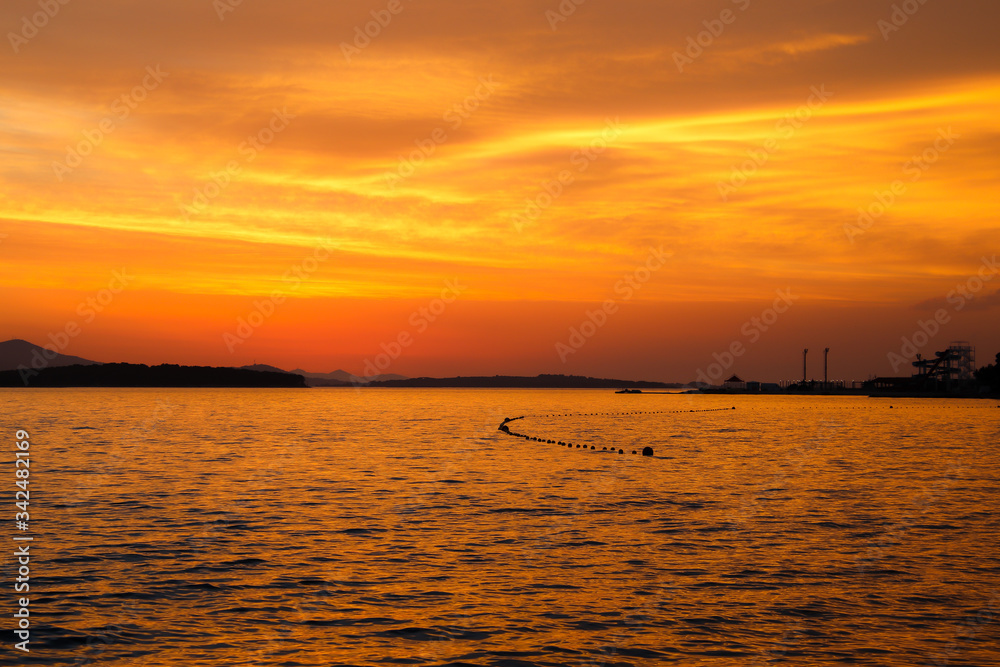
x: 344, y: 376
x: 24, y: 364
x: 537, y: 382
x: 337, y: 378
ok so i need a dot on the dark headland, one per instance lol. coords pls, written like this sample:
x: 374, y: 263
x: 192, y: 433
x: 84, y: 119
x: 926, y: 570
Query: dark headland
x: 140, y: 375
x: 23, y: 364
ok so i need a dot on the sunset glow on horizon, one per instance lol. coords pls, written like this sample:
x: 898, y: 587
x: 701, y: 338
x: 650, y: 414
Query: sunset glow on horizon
x: 483, y: 177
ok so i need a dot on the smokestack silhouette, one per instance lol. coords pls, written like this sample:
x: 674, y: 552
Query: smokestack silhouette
x: 805, y: 352
x: 826, y: 355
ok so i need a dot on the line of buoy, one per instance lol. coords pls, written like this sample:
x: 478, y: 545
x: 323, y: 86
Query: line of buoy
x: 630, y: 412
x: 646, y: 451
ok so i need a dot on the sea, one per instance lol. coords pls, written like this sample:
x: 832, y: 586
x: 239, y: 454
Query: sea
x: 349, y: 526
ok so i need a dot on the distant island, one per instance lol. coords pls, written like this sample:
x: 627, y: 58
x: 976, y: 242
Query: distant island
x: 23, y: 364
x: 523, y: 382
x: 337, y: 378
x: 344, y: 379
x: 141, y: 375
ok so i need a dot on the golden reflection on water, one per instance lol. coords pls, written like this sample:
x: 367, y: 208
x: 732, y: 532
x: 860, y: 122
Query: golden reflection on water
x: 217, y: 527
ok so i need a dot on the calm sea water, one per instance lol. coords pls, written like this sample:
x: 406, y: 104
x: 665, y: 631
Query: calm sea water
x: 375, y: 527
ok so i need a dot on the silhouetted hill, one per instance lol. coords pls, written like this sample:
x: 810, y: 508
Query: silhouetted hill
x: 337, y: 378
x: 140, y: 375
x: 312, y: 379
x: 264, y: 368
x: 16, y: 353
x: 349, y: 378
x: 537, y: 382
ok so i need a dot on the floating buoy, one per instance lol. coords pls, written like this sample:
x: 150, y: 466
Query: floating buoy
x: 647, y: 451
x: 621, y: 451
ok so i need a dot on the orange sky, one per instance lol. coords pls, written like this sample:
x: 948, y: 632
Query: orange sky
x: 219, y: 157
